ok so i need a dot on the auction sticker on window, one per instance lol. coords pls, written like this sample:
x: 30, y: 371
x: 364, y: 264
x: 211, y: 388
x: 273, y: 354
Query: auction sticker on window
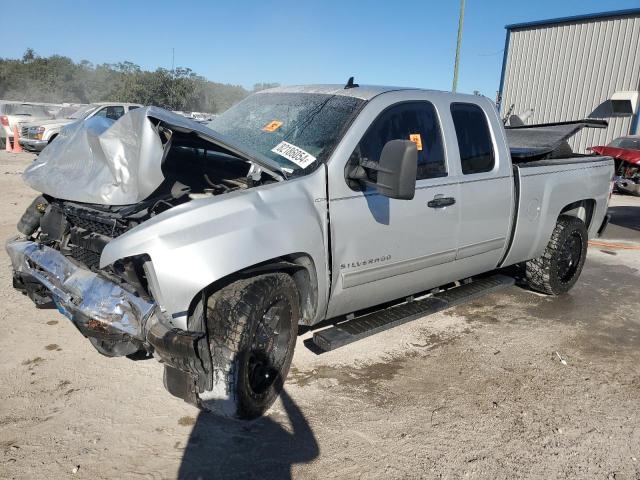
x: 417, y: 139
x: 294, y: 154
x: 272, y: 126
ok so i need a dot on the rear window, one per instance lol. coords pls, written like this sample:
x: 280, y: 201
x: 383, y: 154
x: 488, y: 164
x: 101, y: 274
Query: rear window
x: 474, y: 138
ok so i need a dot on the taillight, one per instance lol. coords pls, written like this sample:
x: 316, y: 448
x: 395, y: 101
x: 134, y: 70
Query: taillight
x: 4, y: 120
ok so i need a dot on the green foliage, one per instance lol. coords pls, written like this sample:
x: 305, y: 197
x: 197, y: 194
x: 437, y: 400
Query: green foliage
x: 58, y: 79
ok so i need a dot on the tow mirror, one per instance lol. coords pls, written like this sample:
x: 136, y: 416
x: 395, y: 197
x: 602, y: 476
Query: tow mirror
x: 396, y: 170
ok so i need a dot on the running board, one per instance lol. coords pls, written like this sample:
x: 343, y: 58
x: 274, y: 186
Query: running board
x: 349, y: 331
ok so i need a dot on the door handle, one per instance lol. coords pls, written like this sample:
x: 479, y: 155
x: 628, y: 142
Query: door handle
x: 441, y: 202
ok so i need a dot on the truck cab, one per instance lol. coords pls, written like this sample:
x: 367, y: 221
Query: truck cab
x: 451, y: 229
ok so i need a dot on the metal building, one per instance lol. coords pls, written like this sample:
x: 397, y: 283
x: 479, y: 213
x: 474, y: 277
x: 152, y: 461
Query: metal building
x: 571, y: 68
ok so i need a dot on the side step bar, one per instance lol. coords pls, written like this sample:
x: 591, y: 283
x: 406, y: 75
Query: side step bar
x: 349, y: 331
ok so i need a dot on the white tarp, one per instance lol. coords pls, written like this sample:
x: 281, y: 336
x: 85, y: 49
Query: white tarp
x: 101, y: 161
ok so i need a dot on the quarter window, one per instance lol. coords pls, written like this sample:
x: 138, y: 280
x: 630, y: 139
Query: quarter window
x: 416, y: 121
x: 474, y: 138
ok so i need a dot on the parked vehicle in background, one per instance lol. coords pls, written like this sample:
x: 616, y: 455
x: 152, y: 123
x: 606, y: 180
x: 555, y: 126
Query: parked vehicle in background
x: 626, y: 153
x: 210, y: 245
x: 12, y: 114
x: 34, y: 136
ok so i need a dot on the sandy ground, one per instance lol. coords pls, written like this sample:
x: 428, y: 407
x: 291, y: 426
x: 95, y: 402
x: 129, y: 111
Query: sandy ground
x: 477, y: 391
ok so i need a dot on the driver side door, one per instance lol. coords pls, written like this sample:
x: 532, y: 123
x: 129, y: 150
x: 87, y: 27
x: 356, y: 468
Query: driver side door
x: 383, y: 248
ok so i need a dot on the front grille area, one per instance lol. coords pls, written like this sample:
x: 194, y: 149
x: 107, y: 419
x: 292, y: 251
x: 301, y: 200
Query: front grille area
x: 86, y: 257
x: 24, y: 132
x: 89, y: 232
x: 110, y: 228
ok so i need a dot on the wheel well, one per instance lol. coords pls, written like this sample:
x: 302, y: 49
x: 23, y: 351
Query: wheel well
x: 582, y: 209
x: 52, y: 137
x: 299, y: 265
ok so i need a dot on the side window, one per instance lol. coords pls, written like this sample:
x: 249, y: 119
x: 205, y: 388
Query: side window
x: 416, y: 121
x: 474, y: 138
x: 101, y: 113
x: 115, y: 112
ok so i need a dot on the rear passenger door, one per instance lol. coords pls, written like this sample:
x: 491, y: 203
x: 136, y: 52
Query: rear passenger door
x: 486, y: 187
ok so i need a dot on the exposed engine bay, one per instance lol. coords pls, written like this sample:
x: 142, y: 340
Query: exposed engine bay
x: 191, y: 171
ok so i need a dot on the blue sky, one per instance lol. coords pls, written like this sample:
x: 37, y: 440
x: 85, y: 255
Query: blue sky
x: 394, y: 42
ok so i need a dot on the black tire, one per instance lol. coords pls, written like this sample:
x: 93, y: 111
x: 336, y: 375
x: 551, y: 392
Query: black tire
x: 252, y: 325
x: 559, y: 267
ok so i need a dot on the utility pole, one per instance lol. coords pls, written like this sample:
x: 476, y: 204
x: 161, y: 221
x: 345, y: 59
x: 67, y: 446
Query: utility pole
x: 459, y: 43
x: 173, y: 57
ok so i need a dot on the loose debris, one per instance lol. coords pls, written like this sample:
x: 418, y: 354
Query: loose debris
x: 562, y: 360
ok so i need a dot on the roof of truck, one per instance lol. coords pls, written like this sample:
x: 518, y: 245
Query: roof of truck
x: 364, y: 92
x: 126, y: 104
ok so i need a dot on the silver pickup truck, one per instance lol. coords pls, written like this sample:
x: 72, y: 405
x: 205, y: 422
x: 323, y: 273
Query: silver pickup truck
x: 358, y: 207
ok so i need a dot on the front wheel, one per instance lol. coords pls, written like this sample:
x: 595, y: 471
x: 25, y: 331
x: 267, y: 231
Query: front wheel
x: 559, y: 267
x: 253, y: 326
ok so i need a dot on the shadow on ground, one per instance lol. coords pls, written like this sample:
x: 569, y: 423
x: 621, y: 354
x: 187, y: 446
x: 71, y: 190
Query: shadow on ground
x: 219, y: 448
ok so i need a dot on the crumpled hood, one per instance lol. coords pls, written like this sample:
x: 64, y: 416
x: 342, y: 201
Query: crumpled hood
x: 117, y: 163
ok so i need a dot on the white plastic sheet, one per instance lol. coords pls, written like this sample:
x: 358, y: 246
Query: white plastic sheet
x: 101, y: 161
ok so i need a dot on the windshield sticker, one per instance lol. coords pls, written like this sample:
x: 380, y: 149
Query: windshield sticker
x: 294, y: 154
x: 272, y: 126
x: 417, y: 139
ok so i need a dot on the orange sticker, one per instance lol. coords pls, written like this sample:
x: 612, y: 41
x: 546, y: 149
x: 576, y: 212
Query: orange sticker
x: 417, y: 139
x: 272, y: 126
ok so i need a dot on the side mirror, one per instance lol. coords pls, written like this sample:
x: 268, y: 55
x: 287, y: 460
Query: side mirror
x: 397, y: 169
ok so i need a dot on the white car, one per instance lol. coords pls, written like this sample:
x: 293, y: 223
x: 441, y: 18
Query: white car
x: 34, y: 136
x: 12, y: 114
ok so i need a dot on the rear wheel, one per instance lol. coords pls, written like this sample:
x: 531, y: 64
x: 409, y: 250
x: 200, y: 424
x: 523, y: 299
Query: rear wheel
x: 559, y: 267
x: 253, y: 326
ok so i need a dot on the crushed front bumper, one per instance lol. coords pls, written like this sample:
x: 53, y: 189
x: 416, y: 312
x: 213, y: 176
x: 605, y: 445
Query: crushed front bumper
x: 116, y: 321
x: 98, y: 307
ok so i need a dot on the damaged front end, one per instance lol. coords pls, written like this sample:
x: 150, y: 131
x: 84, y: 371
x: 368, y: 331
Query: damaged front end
x: 114, y: 319
x: 145, y: 164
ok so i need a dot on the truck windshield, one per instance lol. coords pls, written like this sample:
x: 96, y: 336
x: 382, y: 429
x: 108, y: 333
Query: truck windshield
x: 312, y: 122
x: 82, y: 112
x: 628, y: 143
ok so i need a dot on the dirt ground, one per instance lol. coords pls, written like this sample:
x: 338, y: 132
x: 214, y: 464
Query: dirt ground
x: 477, y: 391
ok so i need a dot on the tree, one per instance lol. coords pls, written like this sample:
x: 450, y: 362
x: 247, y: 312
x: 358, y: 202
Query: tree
x: 28, y: 55
x: 58, y: 79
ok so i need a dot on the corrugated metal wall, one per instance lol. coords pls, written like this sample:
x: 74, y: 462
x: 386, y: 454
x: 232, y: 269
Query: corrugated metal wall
x: 568, y: 71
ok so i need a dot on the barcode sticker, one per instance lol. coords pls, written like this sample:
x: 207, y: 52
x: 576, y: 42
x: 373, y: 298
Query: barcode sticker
x: 294, y: 154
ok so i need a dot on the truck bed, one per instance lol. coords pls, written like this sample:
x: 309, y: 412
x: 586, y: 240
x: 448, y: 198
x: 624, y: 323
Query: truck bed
x: 543, y: 188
